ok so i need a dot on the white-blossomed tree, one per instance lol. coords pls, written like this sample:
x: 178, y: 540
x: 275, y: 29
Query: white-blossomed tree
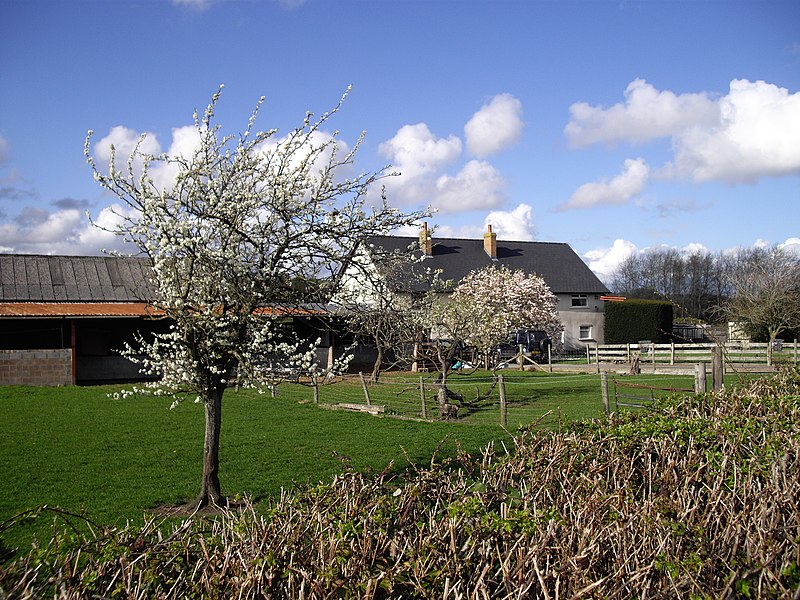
x: 481, y: 311
x: 246, y: 230
x: 490, y: 302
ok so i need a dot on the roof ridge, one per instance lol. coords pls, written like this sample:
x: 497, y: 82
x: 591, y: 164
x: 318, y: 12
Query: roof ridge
x: 434, y: 239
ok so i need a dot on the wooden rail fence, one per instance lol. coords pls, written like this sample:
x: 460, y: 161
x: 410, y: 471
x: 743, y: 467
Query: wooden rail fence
x: 738, y: 352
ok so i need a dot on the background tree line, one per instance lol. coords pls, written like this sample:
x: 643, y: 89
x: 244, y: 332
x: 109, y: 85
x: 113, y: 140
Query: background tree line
x: 758, y: 287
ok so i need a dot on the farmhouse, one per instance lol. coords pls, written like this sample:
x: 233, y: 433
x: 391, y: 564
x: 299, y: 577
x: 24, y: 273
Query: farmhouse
x: 579, y: 291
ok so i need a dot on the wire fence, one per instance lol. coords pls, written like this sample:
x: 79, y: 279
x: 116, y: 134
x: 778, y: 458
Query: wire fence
x: 509, y: 399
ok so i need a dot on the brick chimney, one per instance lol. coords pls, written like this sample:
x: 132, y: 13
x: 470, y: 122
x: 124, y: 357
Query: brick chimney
x: 425, y: 243
x: 490, y: 243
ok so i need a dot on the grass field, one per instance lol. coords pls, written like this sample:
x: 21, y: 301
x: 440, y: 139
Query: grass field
x: 81, y: 450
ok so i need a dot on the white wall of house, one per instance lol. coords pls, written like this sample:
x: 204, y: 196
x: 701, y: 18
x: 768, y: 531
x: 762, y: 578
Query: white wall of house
x: 583, y: 318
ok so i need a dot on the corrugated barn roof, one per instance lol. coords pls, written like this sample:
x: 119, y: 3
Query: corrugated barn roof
x: 102, y: 279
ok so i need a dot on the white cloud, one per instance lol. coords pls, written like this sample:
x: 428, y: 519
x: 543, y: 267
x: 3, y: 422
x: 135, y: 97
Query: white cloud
x: 194, y: 4
x: 604, y: 261
x: 757, y: 134
x: 417, y: 155
x: 124, y: 141
x: 694, y: 248
x: 645, y: 115
x: 629, y: 183
x: 751, y: 132
x: 792, y: 245
x: 477, y: 186
x: 469, y: 232
x: 415, y: 151
x: 61, y: 232
x: 420, y: 158
x: 185, y: 141
x: 516, y: 224
x: 496, y: 126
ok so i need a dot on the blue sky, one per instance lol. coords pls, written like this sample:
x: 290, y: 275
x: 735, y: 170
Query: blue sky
x: 612, y: 126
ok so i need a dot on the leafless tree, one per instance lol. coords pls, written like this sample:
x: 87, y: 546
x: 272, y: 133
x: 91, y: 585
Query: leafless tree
x: 766, y: 291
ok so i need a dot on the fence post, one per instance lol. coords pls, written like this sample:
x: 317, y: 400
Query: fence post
x: 503, y: 407
x: 422, y: 397
x: 653, y: 351
x: 315, y: 381
x: 795, y: 350
x: 588, y: 358
x: 366, y: 389
x: 716, y: 369
x: 628, y: 349
x: 672, y: 353
x: 604, y: 391
x: 550, y: 358
x: 597, y: 356
x: 700, y: 378
x: 521, y: 358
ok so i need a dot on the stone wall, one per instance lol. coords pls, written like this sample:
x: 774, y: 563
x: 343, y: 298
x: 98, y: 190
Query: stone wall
x: 36, y: 367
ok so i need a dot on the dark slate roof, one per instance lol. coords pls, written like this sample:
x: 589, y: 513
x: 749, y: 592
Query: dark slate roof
x: 557, y: 263
x: 40, y: 278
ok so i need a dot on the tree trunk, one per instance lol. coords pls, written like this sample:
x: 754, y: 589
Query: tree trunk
x: 376, y: 369
x: 210, y: 489
x: 442, y: 393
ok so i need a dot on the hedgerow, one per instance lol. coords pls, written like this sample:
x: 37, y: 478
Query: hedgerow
x: 699, y: 498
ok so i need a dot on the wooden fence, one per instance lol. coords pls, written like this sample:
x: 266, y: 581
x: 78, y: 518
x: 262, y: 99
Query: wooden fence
x: 735, y: 352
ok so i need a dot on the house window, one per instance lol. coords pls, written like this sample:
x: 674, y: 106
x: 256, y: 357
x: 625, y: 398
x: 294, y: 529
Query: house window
x: 585, y: 332
x: 579, y: 301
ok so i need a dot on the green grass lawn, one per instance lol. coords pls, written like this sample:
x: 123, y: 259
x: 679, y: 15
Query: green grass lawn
x: 81, y: 450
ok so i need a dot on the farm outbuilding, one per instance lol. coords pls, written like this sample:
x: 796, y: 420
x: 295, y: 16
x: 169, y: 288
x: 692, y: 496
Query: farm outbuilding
x: 63, y: 318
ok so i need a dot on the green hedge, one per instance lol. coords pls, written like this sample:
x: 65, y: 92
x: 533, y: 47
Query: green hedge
x: 636, y: 320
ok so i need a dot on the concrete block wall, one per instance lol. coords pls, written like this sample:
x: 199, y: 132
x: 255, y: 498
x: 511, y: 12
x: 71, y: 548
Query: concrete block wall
x: 36, y: 367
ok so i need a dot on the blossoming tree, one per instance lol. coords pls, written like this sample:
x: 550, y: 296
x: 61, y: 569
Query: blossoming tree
x: 482, y: 309
x: 490, y: 302
x: 245, y: 230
